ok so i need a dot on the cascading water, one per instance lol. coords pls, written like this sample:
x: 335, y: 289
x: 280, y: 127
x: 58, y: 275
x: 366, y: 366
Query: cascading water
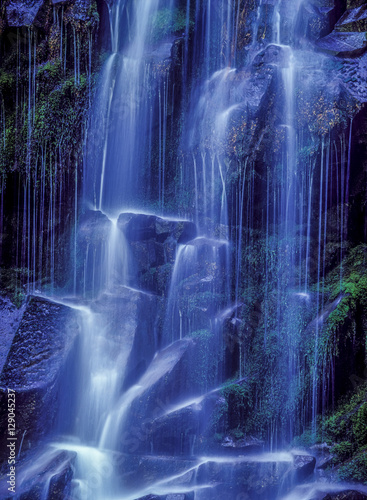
x: 172, y: 310
x: 198, y: 292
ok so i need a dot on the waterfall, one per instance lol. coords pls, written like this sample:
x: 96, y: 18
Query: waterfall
x: 210, y: 204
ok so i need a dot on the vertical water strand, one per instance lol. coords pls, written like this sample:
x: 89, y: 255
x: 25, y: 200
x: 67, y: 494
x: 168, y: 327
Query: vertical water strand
x: 309, y: 205
x: 29, y: 238
x: 342, y: 201
x: 66, y: 48
x: 24, y: 225
x: 204, y: 194
x: 208, y: 39
x: 3, y: 122
x: 75, y: 225
x: 29, y: 130
x: 239, y: 243
x: 325, y: 216
x: 90, y: 42
x: 196, y: 191
x: 110, y: 85
x: 186, y: 50
x: 2, y: 189
x: 75, y: 61
x: 34, y: 225
x: 301, y: 222
x: 78, y: 57
x: 160, y: 147
x: 317, y: 326
x: 51, y: 227
x: 61, y: 32
x: 277, y: 23
x: 41, y: 212
x: 348, y: 176
x: 165, y: 118
x: 212, y: 194
x: 267, y: 251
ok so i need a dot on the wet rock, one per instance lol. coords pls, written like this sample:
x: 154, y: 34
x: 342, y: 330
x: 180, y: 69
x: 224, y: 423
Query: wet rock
x: 353, y: 20
x: 34, y: 367
x: 304, y: 466
x: 153, y: 241
x: 151, y: 469
x: 10, y: 319
x: 94, y: 227
x: 258, y: 478
x: 22, y: 13
x: 130, y: 318
x: 273, y: 54
x: 315, y: 20
x: 80, y: 11
x: 346, y: 495
x: 182, y: 430
x: 143, y: 227
x: 343, y: 43
x: 354, y: 76
x: 45, y: 474
x: 242, y: 446
x: 164, y: 380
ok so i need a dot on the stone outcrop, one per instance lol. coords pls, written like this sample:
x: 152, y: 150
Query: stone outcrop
x: 46, y: 474
x: 130, y: 316
x: 23, y: 13
x: 153, y: 241
x: 35, y: 364
x: 10, y: 319
x: 343, y: 43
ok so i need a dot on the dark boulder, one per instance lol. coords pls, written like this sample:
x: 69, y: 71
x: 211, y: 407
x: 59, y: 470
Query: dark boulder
x: 258, y: 477
x: 184, y: 429
x: 273, y: 54
x: 353, y: 20
x: 137, y: 227
x: 164, y: 381
x: 303, y: 466
x: 34, y: 367
x: 130, y: 317
x: 94, y: 227
x: 153, y: 242
x: 43, y: 475
x: 343, y: 43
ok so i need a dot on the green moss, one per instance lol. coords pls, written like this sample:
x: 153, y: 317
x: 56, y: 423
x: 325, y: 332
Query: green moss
x: 355, y: 469
x: 204, y: 360
x: 167, y: 22
x: 346, y: 429
x: 12, y: 283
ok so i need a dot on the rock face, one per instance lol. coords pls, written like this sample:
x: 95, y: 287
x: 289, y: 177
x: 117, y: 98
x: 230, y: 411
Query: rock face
x: 35, y: 364
x: 10, y: 319
x: 53, y: 470
x: 22, y: 13
x: 130, y: 318
x: 348, y: 43
x: 163, y: 382
x: 153, y: 243
x: 346, y: 495
x: 94, y: 227
x: 183, y: 431
x: 353, y: 20
x: 304, y: 466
